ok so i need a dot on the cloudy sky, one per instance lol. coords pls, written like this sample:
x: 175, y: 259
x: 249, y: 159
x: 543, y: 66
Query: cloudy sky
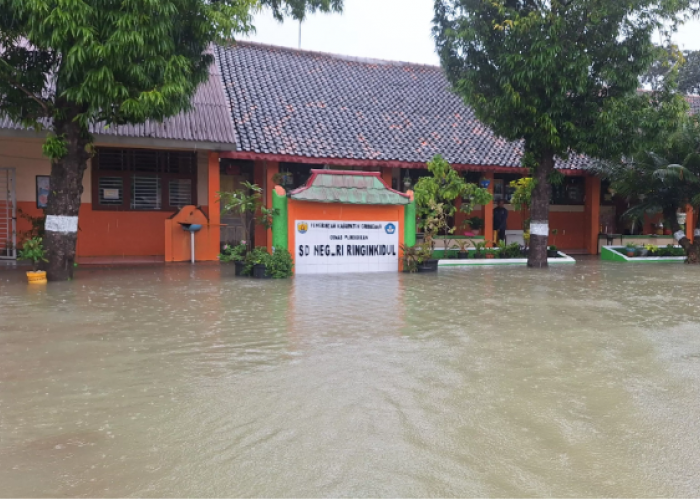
x: 381, y: 29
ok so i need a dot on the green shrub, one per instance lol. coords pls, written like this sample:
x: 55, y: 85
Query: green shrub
x: 279, y: 264
x: 235, y: 253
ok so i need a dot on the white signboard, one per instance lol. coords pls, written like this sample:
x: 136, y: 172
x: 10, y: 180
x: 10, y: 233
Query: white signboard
x: 332, y: 246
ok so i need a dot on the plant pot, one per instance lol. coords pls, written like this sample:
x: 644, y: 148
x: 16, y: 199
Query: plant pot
x: 260, y: 271
x: 36, y: 277
x: 463, y: 255
x: 490, y: 256
x: 643, y: 252
x: 630, y: 254
x: 667, y: 232
x: 239, y: 266
x: 552, y: 253
x: 428, y: 266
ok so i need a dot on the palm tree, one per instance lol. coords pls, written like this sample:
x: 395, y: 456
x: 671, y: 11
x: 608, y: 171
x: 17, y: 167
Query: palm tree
x: 664, y: 181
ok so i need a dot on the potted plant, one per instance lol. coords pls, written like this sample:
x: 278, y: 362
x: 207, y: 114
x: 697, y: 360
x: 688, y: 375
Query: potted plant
x: 630, y: 250
x: 33, y: 250
x: 463, y: 245
x: 235, y: 254
x: 476, y: 224
x: 256, y: 262
x: 490, y: 253
x: 247, y: 203
x: 651, y: 250
x: 479, y: 247
x: 552, y: 251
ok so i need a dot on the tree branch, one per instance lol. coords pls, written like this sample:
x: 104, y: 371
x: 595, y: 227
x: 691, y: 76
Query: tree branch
x: 29, y: 94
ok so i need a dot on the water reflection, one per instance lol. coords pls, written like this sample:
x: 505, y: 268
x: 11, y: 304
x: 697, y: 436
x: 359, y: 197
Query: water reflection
x: 179, y: 381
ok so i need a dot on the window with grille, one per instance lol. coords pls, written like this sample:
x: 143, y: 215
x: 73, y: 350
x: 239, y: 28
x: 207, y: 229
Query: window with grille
x: 110, y: 191
x: 143, y: 179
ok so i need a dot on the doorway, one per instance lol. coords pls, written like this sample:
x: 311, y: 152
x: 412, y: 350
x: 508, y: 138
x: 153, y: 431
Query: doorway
x: 8, y: 215
x: 233, y: 174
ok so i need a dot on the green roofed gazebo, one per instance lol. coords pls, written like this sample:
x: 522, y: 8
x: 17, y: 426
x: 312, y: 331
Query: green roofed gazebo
x: 343, y: 221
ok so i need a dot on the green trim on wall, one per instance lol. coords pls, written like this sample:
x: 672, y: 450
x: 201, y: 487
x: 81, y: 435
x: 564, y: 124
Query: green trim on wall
x: 280, y: 234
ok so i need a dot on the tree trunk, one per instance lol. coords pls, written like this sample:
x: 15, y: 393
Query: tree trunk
x: 539, y: 212
x: 63, y: 205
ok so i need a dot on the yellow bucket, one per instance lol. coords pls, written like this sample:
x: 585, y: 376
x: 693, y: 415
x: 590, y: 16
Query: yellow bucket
x: 36, y: 277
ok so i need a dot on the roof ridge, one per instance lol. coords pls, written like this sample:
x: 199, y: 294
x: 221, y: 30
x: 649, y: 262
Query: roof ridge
x: 341, y: 57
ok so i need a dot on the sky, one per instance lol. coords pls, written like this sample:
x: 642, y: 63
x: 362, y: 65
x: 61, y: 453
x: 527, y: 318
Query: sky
x: 397, y: 30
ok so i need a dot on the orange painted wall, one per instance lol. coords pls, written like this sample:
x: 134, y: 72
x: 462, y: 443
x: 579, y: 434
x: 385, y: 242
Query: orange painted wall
x: 305, y: 210
x: 112, y: 233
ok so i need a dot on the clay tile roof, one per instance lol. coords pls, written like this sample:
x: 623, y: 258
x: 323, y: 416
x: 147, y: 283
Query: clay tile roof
x: 317, y: 105
x: 209, y: 120
x: 354, y: 187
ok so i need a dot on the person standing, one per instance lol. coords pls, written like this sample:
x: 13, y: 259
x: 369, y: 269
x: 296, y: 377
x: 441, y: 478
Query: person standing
x: 500, y: 220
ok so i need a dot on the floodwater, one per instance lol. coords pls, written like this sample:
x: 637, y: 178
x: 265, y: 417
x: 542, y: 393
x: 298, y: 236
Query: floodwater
x: 579, y: 381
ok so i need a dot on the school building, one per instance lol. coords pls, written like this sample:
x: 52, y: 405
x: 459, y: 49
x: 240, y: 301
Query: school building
x: 269, y: 110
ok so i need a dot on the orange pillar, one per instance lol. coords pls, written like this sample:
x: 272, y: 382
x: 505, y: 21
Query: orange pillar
x: 273, y: 168
x: 214, y: 180
x: 259, y: 179
x: 592, y: 214
x: 488, y: 211
x: 386, y: 175
x: 689, y: 222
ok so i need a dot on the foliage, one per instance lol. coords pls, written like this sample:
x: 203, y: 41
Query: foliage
x: 279, y: 264
x: 510, y: 251
x: 475, y: 223
x: 256, y: 256
x: 556, y: 75
x: 37, y: 224
x: 463, y: 244
x: 522, y: 195
x: 479, y: 247
x: 413, y: 256
x: 234, y: 253
x: 247, y: 203
x: 436, y: 196
x: 297, y: 9
x: 65, y: 64
x: 33, y: 250
x: 669, y: 59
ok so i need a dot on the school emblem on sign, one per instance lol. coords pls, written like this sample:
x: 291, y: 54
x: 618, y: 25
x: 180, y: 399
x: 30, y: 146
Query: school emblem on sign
x: 302, y: 227
x: 390, y: 229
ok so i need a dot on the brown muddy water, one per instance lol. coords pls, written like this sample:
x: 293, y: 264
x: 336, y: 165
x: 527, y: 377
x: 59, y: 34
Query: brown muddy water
x: 579, y: 381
